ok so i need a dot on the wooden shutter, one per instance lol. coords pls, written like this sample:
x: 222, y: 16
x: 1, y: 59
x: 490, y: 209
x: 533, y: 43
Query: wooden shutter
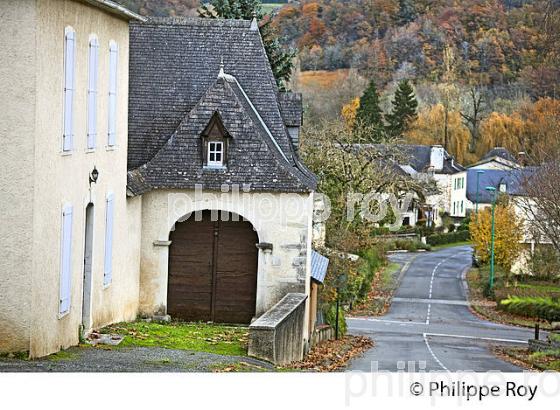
x: 113, y: 61
x: 69, y: 79
x: 66, y: 260
x: 108, y: 268
x: 92, y: 92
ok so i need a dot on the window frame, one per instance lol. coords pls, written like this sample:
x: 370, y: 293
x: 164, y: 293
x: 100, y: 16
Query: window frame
x: 209, y: 152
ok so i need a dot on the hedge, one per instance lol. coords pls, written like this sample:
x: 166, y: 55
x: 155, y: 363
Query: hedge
x: 542, y: 307
x: 445, y: 238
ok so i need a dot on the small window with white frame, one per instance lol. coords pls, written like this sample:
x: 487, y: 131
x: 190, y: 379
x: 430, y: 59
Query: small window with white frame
x: 215, y: 154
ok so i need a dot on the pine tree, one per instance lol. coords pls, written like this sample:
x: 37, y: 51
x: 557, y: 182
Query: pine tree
x: 281, y: 61
x: 404, y: 110
x: 407, y: 12
x: 369, y: 114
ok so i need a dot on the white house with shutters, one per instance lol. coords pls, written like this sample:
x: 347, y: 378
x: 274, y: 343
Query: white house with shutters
x: 66, y: 225
x: 110, y: 125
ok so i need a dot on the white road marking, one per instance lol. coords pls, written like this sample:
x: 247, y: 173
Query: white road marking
x: 433, y: 354
x: 432, y: 283
x: 433, y: 301
x: 494, y: 339
x: 387, y: 321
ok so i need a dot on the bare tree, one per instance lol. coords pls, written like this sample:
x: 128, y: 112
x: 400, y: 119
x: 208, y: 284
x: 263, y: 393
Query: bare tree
x: 474, y: 115
x: 541, y: 200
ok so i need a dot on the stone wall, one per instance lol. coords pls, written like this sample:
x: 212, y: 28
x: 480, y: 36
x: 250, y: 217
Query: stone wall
x: 278, y: 335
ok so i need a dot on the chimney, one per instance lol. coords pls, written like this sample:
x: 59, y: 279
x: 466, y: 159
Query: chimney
x: 437, y: 156
x: 522, y: 158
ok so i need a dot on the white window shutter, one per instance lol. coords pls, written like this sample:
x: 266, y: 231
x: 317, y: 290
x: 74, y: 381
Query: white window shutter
x: 108, y: 268
x: 69, y: 79
x: 92, y: 92
x: 66, y: 260
x: 113, y: 63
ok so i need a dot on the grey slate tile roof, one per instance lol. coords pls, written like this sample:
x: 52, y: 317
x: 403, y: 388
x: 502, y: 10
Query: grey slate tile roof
x: 513, y: 180
x: 174, y: 91
x: 499, y: 152
x: 418, y: 157
x: 253, y: 157
x: 291, y: 108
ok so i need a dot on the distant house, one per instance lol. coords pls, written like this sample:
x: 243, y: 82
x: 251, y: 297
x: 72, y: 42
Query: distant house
x: 497, y: 158
x: 150, y: 169
x: 434, y: 162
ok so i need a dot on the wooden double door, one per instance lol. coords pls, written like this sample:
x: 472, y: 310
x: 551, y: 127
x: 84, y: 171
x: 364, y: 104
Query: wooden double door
x: 213, y: 270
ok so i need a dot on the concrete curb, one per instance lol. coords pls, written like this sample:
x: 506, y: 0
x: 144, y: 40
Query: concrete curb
x: 403, y: 271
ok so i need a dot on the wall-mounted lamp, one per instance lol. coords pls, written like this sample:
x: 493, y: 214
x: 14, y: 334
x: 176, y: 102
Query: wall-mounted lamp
x: 93, y: 175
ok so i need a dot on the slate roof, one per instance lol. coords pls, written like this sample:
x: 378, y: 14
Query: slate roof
x: 418, y: 157
x: 291, y: 108
x: 511, y: 178
x: 175, y: 90
x: 499, y: 152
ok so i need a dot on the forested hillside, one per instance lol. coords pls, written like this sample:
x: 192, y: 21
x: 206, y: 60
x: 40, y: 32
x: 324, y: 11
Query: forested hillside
x: 485, y: 73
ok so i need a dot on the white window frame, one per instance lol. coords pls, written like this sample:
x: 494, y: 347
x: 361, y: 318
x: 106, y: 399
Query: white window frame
x: 113, y: 87
x: 93, y: 75
x: 69, y: 90
x: 215, y: 163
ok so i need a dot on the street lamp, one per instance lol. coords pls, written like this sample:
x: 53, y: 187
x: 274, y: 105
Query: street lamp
x: 478, y: 174
x: 491, y: 280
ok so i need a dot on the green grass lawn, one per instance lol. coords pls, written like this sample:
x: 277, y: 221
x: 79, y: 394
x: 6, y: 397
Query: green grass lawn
x: 477, y: 278
x: 201, y: 337
x: 546, y: 361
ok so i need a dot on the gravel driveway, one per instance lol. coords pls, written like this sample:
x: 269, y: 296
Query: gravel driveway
x: 132, y: 359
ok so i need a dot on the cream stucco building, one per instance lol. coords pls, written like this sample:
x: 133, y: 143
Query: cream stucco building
x: 115, y: 130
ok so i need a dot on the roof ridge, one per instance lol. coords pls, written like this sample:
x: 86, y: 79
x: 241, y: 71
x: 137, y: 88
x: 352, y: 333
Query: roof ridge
x: 198, y: 21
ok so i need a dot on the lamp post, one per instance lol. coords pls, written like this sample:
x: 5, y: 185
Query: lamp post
x: 491, y: 280
x: 478, y: 174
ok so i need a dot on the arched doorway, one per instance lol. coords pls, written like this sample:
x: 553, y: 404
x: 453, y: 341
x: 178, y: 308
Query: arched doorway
x: 213, y: 269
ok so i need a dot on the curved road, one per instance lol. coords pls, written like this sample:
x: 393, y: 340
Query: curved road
x: 429, y: 326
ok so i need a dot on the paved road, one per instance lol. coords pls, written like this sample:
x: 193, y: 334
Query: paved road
x: 429, y: 326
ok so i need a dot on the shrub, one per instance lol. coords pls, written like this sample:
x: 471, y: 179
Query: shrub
x: 545, y: 263
x: 330, y: 318
x: 445, y: 238
x: 451, y: 228
x: 541, y: 307
x: 372, y: 260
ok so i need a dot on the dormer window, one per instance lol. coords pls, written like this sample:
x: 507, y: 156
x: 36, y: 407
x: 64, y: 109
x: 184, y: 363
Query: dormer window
x: 215, y: 142
x: 215, y: 154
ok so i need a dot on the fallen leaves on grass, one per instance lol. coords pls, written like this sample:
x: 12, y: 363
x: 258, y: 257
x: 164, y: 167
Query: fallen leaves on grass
x: 331, y: 355
x: 378, y: 299
x: 538, y: 361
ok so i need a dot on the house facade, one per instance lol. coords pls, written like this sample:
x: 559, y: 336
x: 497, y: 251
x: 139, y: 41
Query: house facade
x: 65, y: 82
x: 158, y: 176
x: 434, y: 163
